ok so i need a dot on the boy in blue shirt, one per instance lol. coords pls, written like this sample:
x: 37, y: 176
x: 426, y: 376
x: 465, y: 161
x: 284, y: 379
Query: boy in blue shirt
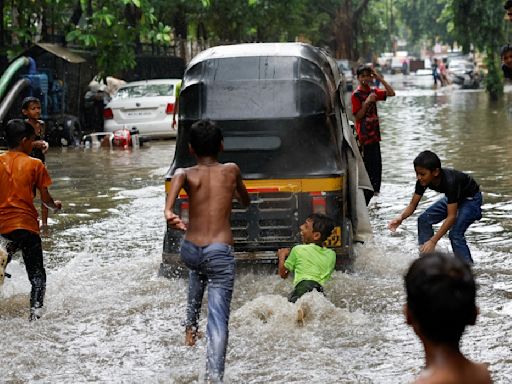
x: 459, y: 208
x: 311, y: 262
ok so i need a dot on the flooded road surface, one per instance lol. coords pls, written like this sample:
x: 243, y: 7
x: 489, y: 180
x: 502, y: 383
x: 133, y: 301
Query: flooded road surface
x: 110, y: 319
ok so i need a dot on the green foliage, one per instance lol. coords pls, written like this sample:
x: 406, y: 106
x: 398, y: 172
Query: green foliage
x: 115, y: 29
x: 427, y: 20
x: 480, y: 23
x: 494, y: 79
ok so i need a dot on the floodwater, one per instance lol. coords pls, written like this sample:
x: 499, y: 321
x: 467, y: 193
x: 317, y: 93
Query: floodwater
x: 110, y: 318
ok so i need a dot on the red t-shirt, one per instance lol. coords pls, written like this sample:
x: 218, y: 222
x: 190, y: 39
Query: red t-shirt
x: 368, y: 128
x: 20, y: 174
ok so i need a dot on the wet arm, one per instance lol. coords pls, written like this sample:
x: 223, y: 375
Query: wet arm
x: 41, y: 144
x: 389, y: 89
x: 241, y: 192
x: 364, y: 107
x: 178, y: 181
x: 282, y: 254
x: 447, y: 223
x: 408, y: 211
x: 48, y: 200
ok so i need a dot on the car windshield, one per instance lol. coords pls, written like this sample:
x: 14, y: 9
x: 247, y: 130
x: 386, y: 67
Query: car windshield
x: 343, y: 66
x: 144, y: 90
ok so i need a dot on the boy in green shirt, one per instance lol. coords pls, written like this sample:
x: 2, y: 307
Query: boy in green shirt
x: 311, y: 262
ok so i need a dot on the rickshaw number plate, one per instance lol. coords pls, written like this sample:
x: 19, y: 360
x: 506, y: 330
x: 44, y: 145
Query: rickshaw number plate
x: 335, y: 239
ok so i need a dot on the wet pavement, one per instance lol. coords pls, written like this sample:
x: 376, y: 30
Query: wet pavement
x: 110, y: 318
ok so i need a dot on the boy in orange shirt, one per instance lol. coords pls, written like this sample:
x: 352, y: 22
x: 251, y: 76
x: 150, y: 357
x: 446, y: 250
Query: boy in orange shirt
x: 20, y: 175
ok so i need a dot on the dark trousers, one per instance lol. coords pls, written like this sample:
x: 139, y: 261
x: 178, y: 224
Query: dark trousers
x: 468, y: 211
x: 302, y: 288
x: 32, y: 251
x: 373, y: 163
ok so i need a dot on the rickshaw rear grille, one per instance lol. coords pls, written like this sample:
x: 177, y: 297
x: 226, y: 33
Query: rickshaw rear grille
x: 271, y: 217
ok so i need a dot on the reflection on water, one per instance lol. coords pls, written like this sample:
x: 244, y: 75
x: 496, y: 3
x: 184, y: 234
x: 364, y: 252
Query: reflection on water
x: 110, y: 318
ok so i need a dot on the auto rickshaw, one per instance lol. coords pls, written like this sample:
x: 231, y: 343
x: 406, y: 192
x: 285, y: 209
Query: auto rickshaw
x: 280, y: 108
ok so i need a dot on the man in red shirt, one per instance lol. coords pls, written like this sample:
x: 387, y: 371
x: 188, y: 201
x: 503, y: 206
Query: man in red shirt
x: 364, y: 109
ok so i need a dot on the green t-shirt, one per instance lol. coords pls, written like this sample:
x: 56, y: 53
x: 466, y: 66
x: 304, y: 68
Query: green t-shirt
x: 311, y: 262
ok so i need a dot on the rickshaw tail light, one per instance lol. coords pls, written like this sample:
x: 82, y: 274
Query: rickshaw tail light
x: 319, y: 204
x: 169, y: 109
x: 184, y: 211
x: 108, y: 114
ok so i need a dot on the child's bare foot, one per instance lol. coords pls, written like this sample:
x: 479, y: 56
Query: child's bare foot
x: 3, y: 264
x: 44, y: 230
x: 300, y: 316
x: 191, y: 336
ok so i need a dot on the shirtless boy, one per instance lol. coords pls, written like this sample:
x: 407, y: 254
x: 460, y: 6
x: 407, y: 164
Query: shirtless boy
x: 441, y: 293
x: 207, y: 247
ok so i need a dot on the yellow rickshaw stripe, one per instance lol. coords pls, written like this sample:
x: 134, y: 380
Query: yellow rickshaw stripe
x: 327, y: 184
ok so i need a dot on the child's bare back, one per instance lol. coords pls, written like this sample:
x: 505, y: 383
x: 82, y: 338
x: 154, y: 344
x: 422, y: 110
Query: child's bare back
x: 211, y: 188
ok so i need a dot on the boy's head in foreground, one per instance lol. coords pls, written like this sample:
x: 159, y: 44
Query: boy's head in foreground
x: 31, y: 107
x: 205, y: 138
x: 441, y: 294
x: 428, y: 167
x: 19, y: 134
x: 316, y: 229
x: 506, y: 55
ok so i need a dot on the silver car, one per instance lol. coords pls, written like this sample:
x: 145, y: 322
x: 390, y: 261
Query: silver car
x: 346, y: 70
x: 147, y: 106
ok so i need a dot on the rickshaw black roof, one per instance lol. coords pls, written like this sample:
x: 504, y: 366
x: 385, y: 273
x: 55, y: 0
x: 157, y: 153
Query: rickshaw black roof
x: 302, y: 50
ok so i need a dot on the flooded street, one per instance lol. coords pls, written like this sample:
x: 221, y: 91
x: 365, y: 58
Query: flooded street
x: 110, y: 319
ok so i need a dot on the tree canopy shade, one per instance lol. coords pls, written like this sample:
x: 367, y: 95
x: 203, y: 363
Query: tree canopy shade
x: 117, y: 29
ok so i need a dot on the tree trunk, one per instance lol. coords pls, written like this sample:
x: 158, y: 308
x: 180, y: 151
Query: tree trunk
x: 343, y: 31
x: 346, y: 27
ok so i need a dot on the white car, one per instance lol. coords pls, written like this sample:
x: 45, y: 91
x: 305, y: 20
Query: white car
x: 147, y: 106
x: 346, y: 71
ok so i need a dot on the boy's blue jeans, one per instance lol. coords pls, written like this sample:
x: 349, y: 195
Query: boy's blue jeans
x: 468, y: 212
x: 214, y: 265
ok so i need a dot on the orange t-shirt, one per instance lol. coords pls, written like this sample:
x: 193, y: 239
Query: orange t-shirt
x: 20, y: 174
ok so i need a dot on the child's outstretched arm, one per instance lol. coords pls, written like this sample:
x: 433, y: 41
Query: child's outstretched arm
x: 408, y: 211
x: 48, y: 201
x: 178, y: 181
x: 282, y: 254
x: 41, y: 144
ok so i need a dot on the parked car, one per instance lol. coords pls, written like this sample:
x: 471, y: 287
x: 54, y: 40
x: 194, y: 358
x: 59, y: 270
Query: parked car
x: 346, y: 70
x: 281, y: 111
x: 147, y: 106
x: 464, y: 73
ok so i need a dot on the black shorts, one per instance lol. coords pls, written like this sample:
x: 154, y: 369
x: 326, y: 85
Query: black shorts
x: 303, y: 287
x: 30, y: 245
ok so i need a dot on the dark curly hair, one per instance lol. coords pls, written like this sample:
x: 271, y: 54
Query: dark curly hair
x: 205, y: 138
x: 16, y: 130
x: 441, y: 294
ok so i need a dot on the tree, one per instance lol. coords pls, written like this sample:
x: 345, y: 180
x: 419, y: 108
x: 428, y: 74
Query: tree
x: 480, y: 22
